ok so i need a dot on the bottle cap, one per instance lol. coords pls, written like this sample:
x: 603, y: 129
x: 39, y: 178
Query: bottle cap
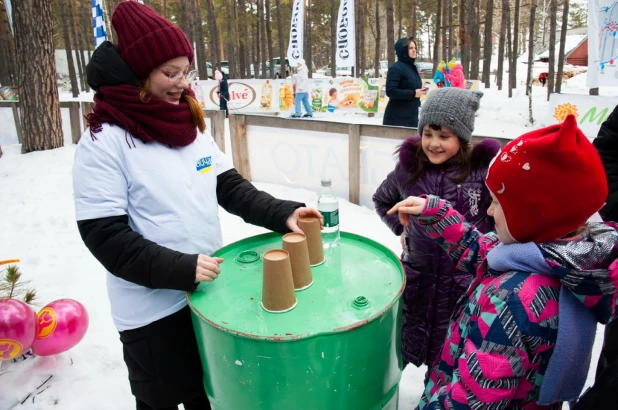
x: 326, y: 182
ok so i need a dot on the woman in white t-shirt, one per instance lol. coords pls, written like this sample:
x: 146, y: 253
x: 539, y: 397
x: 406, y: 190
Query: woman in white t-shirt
x: 148, y: 182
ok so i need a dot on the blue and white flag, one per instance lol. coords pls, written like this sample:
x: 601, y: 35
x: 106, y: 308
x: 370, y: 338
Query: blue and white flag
x: 98, y: 22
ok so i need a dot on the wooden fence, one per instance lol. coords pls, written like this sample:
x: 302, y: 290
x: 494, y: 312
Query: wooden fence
x: 81, y: 109
x: 240, y: 145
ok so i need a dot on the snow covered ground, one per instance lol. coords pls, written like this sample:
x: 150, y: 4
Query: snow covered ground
x: 37, y: 226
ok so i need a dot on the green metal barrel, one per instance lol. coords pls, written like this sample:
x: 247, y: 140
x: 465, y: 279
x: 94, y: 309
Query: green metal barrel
x: 339, y: 348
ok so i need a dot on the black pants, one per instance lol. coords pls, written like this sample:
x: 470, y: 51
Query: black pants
x: 164, y: 364
x: 223, y: 104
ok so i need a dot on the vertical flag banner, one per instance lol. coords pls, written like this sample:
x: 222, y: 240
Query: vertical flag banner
x: 602, y: 44
x: 98, y: 22
x: 295, y: 48
x: 7, y: 4
x: 346, y: 38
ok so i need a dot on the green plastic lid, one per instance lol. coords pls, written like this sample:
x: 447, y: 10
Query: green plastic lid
x: 358, y: 281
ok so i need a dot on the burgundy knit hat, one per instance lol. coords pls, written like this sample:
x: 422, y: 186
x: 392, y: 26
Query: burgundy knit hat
x: 145, y: 39
x: 548, y: 182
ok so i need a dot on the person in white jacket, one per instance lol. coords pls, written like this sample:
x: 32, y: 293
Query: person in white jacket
x: 302, y: 90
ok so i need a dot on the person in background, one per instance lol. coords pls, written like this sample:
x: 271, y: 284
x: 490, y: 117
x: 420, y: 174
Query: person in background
x: 223, y: 91
x: 301, y: 82
x: 440, y: 161
x: 604, y: 392
x: 543, y: 78
x: 404, y: 87
x: 521, y: 336
x: 148, y: 181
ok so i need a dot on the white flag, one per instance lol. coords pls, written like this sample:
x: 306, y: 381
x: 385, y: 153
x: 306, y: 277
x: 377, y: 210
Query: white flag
x: 295, y: 48
x: 602, y: 45
x: 346, y: 39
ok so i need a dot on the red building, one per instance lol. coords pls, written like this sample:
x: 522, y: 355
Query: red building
x: 579, y: 55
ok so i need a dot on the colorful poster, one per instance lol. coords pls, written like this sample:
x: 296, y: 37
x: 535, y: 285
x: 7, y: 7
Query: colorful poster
x: 589, y: 110
x: 602, y: 45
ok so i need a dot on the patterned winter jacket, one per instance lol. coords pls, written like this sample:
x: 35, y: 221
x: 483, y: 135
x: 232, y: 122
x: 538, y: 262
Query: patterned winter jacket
x: 433, y: 283
x: 503, y: 330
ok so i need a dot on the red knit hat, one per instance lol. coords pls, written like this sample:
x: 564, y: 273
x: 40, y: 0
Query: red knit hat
x: 548, y: 182
x: 145, y: 39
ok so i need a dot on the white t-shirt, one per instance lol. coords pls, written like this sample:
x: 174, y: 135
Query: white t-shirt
x: 169, y: 194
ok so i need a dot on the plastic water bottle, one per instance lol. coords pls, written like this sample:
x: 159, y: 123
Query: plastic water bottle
x: 329, y: 208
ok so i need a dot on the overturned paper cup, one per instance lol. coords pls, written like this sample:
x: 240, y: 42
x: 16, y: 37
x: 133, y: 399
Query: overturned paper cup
x: 311, y: 226
x: 296, y: 245
x: 278, y: 285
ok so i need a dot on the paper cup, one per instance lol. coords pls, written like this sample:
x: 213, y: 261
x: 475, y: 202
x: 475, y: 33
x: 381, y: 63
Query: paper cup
x: 278, y: 285
x: 296, y: 245
x: 310, y: 225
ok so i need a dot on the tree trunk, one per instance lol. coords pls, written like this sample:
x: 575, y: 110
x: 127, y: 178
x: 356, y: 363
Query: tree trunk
x: 262, y: 37
x: 514, y: 51
x: 505, y: 8
x: 509, y: 48
x: 269, y: 42
x: 230, y: 53
x: 530, y: 58
x: 362, y: 19
x: 81, y: 44
x: 8, y: 65
x: 198, y: 35
x: 246, y: 41
x: 563, y: 30
x: 164, y: 7
x: 214, y: 35
x: 436, y: 45
x: 488, y: 45
x: 400, y: 15
x: 463, y: 35
x: 412, y: 31
x: 41, y: 123
x: 376, y: 65
x: 475, y: 38
x: 551, y: 73
x: 282, y: 50
x: 390, y: 33
x: 308, y: 51
x: 67, y: 46
x: 443, y: 30
x: 108, y: 7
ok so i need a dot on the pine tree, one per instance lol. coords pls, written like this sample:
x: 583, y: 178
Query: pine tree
x: 11, y: 286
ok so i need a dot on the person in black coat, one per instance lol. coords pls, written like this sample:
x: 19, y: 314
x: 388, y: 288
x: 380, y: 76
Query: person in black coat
x: 403, y: 87
x: 224, y: 94
x: 604, y: 392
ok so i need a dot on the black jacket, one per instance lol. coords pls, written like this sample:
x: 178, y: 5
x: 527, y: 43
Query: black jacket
x: 402, y: 81
x: 128, y: 255
x: 223, y: 87
x: 606, y: 144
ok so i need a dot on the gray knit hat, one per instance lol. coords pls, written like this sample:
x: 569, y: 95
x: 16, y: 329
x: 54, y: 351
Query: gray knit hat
x: 453, y: 108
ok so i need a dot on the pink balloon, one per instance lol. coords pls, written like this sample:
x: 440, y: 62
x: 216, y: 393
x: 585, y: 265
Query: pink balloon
x: 17, y: 328
x: 60, y: 325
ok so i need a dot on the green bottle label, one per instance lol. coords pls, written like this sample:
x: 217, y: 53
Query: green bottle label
x: 330, y: 218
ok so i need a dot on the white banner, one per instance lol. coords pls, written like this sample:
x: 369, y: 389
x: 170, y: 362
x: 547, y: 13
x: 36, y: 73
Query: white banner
x: 602, y: 44
x: 295, y: 48
x: 346, y: 39
x: 7, y: 4
x: 589, y: 110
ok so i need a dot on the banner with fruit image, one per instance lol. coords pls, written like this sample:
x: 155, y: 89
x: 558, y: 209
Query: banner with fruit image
x: 340, y: 95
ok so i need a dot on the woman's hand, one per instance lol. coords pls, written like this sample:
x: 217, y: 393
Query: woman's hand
x: 420, y: 92
x: 412, y: 205
x: 207, y: 268
x: 292, y: 221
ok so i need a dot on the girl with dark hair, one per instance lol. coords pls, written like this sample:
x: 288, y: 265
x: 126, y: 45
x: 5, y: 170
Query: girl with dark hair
x: 440, y: 162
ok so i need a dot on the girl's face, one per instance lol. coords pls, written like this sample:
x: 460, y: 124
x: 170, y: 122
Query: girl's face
x: 495, y: 211
x: 412, y: 49
x: 439, y: 146
x: 167, y: 82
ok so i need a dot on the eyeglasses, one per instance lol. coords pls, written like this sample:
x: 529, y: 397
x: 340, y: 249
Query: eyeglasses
x: 174, y: 78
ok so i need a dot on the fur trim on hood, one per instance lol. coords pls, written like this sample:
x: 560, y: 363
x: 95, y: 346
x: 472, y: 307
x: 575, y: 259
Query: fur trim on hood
x: 481, y: 155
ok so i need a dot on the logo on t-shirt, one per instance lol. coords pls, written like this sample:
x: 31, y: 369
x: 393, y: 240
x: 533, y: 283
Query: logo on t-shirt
x: 204, y: 165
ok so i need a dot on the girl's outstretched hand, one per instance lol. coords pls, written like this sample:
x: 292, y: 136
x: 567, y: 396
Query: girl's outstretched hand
x: 412, y: 205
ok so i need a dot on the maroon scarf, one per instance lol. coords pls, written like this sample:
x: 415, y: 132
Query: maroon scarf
x: 153, y: 120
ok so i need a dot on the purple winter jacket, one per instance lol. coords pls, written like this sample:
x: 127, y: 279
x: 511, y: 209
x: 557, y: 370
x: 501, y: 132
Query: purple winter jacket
x: 433, y: 282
